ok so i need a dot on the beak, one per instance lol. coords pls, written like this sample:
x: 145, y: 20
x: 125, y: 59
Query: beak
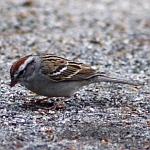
x: 13, y: 82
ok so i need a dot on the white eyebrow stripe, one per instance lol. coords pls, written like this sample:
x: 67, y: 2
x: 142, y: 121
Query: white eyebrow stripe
x: 27, y: 61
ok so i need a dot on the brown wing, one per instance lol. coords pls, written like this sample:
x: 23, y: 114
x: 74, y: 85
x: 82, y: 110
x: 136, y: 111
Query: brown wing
x: 60, y: 69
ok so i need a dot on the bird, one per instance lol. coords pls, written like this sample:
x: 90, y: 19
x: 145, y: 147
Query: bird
x: 54, y: 76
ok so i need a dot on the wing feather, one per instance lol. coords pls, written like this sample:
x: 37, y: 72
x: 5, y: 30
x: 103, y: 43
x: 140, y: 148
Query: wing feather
x: 60, y: 69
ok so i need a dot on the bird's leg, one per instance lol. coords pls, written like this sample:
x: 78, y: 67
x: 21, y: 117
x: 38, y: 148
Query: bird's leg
x: 40, y: 100
x: 58, y: 104
x: 35, y: 103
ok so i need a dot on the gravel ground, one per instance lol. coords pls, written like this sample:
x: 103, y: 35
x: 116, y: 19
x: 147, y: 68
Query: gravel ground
x: 110, y: 35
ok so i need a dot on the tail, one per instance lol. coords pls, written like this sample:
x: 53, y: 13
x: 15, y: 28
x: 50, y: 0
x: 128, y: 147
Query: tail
x: 102, y: 77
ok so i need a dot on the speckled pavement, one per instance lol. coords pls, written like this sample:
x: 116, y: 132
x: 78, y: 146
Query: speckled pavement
x: 110, y: 35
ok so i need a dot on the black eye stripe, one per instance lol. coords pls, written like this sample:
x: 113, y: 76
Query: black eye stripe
x: 21, y: 72
x: 24, y: 70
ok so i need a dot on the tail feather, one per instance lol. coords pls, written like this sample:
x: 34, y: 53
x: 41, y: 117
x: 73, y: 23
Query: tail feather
x: 104, y: 78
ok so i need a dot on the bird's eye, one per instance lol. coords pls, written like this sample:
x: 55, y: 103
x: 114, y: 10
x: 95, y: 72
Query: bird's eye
x: 21, y: 72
